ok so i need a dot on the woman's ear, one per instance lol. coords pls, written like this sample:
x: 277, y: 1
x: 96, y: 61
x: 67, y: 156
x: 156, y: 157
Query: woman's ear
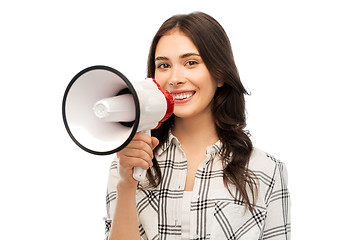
x: 220, y: 83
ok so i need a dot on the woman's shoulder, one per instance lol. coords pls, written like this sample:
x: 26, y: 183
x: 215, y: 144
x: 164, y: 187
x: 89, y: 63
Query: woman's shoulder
x: 261, y: 161
x: 272, y: 176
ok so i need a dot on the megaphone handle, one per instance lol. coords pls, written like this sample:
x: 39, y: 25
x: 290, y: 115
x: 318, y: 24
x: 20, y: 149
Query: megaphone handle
x: 139, y: 173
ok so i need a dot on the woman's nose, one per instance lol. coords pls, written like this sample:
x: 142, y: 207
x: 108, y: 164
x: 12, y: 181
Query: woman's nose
x: 177, y: 77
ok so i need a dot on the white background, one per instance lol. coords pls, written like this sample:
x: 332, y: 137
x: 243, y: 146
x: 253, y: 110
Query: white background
x: 286, y: 55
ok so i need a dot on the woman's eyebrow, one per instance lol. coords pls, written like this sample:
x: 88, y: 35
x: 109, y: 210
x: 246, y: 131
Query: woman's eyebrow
x: 185, y: 55
x: 161, y: 59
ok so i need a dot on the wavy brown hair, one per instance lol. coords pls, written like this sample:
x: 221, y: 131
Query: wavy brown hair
x: 228, y: 106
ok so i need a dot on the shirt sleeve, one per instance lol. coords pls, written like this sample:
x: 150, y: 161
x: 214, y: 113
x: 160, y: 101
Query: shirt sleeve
x: 277, y: 225
x: 111, y: 195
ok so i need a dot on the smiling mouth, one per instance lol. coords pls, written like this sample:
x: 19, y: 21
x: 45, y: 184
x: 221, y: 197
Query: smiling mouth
x: 182, y: 95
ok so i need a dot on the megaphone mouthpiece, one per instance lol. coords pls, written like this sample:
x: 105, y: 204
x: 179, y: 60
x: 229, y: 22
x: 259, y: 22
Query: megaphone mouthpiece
x: 169, y: 103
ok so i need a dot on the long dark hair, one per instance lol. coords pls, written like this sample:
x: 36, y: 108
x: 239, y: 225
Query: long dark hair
x: 228, y: 106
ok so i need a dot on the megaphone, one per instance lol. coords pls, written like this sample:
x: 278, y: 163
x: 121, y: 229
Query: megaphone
x: 102, y: 110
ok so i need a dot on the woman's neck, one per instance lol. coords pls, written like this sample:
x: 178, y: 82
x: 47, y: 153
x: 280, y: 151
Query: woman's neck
x: 195, y: 132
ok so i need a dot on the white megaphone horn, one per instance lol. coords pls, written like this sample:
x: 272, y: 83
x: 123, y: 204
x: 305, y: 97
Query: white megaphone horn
x: 102, y: 110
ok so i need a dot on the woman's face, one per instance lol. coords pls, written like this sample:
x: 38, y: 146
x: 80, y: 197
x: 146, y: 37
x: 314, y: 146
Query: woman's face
x: 181, y: 71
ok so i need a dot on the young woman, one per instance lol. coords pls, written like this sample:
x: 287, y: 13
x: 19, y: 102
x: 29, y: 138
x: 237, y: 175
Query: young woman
x: 205, y: 180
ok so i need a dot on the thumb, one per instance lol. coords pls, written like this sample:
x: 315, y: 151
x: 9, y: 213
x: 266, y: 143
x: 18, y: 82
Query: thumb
x: 154, y: 142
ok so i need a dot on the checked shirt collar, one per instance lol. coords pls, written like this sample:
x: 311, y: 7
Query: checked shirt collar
x: 173, y: 140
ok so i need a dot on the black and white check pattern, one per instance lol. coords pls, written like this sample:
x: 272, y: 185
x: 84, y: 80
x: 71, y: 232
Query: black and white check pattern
x: 215, y: 214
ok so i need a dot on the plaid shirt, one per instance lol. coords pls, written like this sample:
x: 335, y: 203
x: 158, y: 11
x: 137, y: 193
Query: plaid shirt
x: 215, y: 214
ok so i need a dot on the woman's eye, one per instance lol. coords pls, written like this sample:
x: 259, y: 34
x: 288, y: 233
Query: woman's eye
x: 163, y: 65
x: 191, y: 63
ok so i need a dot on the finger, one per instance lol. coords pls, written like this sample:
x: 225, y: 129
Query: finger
x: 155, y: 142
x: 140, y: 146
x: 140, y: 136
x: 137, y: 153
x: 131, y: 162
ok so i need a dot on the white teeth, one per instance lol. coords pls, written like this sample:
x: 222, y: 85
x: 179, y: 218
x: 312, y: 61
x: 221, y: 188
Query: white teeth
x: 182, y: 96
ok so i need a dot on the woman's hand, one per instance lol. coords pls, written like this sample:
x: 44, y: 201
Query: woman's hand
x: 139, y: 152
